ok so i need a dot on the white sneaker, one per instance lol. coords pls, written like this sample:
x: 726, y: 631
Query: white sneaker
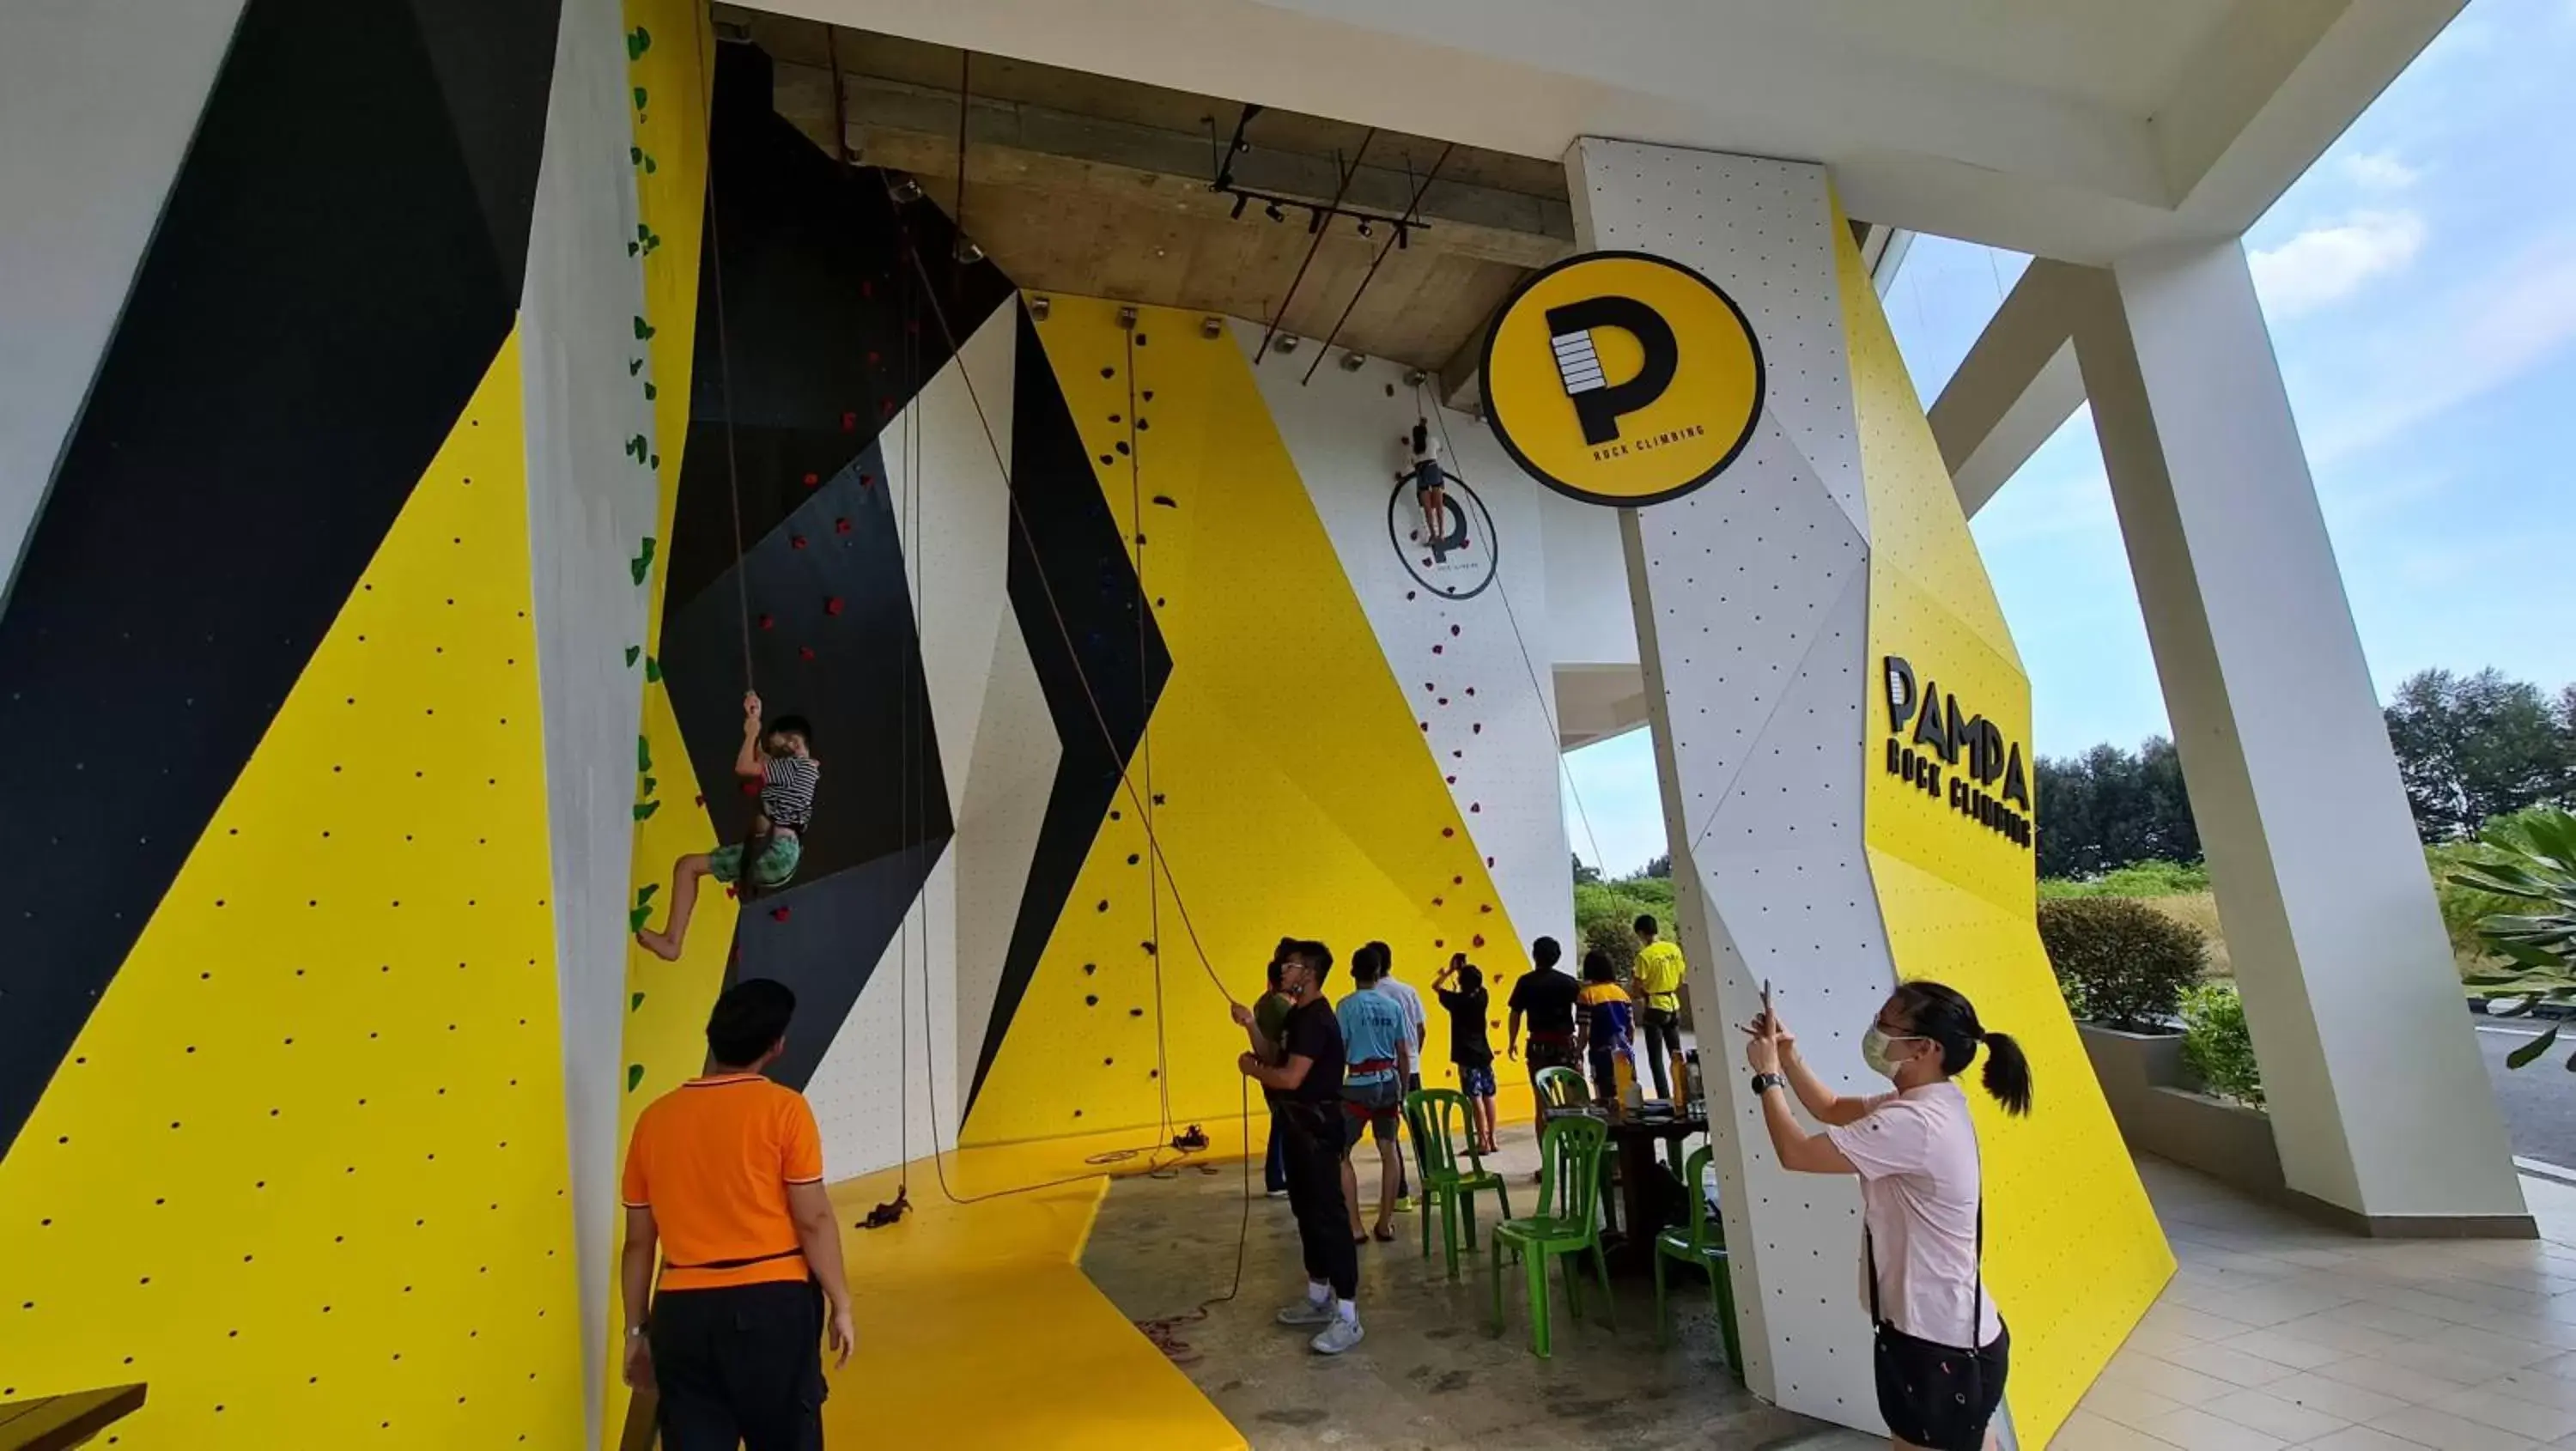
x: 1306, y: 1312
x: 1339, y: 1336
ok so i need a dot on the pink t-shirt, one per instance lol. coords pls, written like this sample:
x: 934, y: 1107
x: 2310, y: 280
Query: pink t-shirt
x: 1919, y: 1189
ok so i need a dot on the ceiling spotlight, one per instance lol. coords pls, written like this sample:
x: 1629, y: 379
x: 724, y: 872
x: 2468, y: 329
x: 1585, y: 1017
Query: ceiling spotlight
x: 966, y: 251
x: 1365, y: 229
x: 1039, y: 307
x: 1273, y: 213
x: 1285, y: 343
x: 1403, y: 237
x: 1415, y: 377
x: 1127, y: 317
x: 1315, y: 217
x: 904, y: 190
x: 1240, y: 202
x: 1353, y: 362
x: 1211, y: 326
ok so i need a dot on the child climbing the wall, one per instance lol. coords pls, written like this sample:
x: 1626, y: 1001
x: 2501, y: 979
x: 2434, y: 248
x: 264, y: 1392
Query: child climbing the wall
x: 1430, y: 485
x: 781, y: 759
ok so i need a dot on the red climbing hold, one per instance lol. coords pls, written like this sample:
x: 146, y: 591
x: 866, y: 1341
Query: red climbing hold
x: 832, y: 605
x: 1477, y: 729
x: 1453, y: 629
x: 1408, y: 594
x: 796, y: 541
x: 777, y: 914
x: 840, y: 526
x: 1489, y: 861
x: 804, y: 652
x: 1457, y: 881
x: 1436, y: 649
x: 702, y: 800
x: 1480, y: 939
x: 1487, y: 907
x: 1471, y: 690
x: 849, y: 422
x: 1426, y: 725
x: 1444, y: 700
x: 873, y: 359
x: 867, y: 288
x: 813, y: 480
x: 751, y: 788
x: 1448, y: 831
x: 1452, y: 780
x: 729, y: 892
x: 767, y: 623
x: 1475, y: 806
x: 865, y: 479
x: 1439, y: 941
x: 1435, y: 901
x: 885, y: 406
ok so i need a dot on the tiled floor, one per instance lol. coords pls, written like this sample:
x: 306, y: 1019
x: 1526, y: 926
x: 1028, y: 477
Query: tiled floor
x: 2276, y: 1332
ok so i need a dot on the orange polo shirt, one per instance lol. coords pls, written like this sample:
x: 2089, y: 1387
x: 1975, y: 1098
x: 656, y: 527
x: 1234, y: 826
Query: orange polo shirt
x: 712, y: 1159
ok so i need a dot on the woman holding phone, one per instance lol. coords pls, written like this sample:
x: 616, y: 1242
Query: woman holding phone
x: 1941, y: 1350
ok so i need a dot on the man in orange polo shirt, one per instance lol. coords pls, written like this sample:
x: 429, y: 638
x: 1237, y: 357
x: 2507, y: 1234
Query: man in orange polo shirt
x: 726, y: 1173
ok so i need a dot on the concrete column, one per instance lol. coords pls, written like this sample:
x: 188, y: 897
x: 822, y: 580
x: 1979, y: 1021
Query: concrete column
x: 2378, y: 1100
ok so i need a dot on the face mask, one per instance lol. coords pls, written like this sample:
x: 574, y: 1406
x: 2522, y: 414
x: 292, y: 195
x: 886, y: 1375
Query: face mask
x: 1873, y: 1050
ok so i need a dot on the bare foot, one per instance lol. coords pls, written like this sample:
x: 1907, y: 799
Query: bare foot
x: 658, y: 945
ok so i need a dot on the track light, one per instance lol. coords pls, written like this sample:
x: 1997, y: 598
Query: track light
x: 1403, y: 237
x: 904, y: 190
x: 1415, y: 377
x: 967, y: 251
x: 1314, y: 220
x: 1127, y: 318
x: 1273, y: 213
x: 1211, y: 326
x: 1365, y: 229
x: 1039, y: 307
x: 1285, y: 343
x: 1353, y: 362
x: 1240, y: 202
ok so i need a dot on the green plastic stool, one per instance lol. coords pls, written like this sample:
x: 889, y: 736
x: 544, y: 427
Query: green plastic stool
x: 1569, y: 1186
x: 1444, y: 1182
x: 1702, y: 1244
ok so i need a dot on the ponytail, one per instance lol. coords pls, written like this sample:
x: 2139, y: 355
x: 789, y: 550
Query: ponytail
x: 2007, y: 1074
x: 1944, y: 1015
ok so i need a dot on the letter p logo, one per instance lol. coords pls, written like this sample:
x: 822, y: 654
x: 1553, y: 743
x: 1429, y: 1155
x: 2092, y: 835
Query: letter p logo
x: 1598, y: 402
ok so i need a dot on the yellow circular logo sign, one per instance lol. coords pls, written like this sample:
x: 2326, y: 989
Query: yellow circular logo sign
x: 1622, y: 378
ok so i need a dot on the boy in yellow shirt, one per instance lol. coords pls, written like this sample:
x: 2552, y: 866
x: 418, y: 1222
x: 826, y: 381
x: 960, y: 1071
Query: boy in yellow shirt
x: 1658, y: 976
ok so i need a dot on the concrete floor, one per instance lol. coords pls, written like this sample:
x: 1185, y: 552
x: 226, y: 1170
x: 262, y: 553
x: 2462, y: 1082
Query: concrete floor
x: 1428, y: 1375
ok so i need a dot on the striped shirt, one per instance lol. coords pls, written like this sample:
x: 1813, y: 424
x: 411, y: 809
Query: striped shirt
x: 787, y: 792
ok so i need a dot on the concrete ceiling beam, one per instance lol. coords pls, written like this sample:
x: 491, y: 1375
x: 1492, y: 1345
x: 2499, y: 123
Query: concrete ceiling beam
x: 2017, y: 385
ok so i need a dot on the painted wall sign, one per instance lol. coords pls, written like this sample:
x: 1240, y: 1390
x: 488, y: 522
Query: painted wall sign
x: 1622, y: 378
x: 1963, y: 761
x: 1458, y: 562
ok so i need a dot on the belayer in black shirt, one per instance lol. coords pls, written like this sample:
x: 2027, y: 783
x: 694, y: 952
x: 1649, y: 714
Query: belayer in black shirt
x: 1307, y: 1088
x: 1546, y: 998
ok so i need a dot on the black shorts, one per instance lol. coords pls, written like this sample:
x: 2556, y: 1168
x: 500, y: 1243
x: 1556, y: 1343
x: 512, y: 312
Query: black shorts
x: 1379, y: 1105
x: 740, y: 1365
x: 1936, y: 1396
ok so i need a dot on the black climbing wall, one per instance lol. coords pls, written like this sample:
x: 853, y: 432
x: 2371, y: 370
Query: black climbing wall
x: 1075, y: 595
x: 339, y: 258
x: 815, y: 329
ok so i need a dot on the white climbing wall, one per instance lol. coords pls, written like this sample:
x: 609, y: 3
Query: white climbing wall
x: 1751, y: 600
x: 1475, y: 667
x: 590, y: 504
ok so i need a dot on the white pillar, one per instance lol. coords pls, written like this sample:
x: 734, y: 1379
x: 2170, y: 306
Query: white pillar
x: 2378, y: 1099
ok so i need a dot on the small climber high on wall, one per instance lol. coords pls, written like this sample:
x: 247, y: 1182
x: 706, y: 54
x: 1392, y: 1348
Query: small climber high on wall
x: 781, y: 759
x: 1430, y: 488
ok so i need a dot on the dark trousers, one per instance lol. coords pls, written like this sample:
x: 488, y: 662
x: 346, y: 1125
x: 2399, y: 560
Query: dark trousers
x: 740, y: 1365
x: 1605, y: 1075
x: 1403, y: 1180
x: 1313, y: 1140
x: 1274, y: 1165
x: 1663, y: 1042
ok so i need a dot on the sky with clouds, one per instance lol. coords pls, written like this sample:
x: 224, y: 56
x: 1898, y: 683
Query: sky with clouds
x: 2420, y: 283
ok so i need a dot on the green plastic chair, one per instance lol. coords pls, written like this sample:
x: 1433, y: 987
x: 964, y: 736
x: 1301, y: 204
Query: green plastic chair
x: 1444, y: 1181
x: 1703, y: 1244
x: 1562, y: 1088
x: 1569, y: 1188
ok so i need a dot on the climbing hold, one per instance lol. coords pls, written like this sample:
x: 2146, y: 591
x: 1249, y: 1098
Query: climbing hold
x: 1444, y: 700
x: 804, y: 652
x: 1452, y: 780
x: 1485, y: 907
x: 866, y: 478
x: 644, y: 810
x: 1089, y: 968
x: 640, y: 97
x: 885, y: 407
x: 1477, y: 729
x: 1436, y: 649
x: 1166, y: 501
x: 767, y: 623
x: 840, y: 526
x: 1158, y: 798
x: 700, y: 798
x: 1453, y: 629
x: 633, y: 654
x: 1489, y: 861
x: 651, y: 392
x: 849, y: 422
x: 1435, y: 901
x: 795, y: 541
x: 777, y: 914
x: 643, y: 329
x: 1448, y: 831
x: 1104, y: 905
x: 634, y: 1076
x: 1131, y: 858
x: 1408, y: 594
x: 636, y: 448
x: 1109, y: 372
x: 1091, y: 1000
x: 1427, y: 685
x: 1135, y: 1012
x: 873, y: 360
x: 1479, y: 939
x: 811, y: 480
x: 1426, y: 725
x: 1471, y: 690
x: 634, y: 1001
x: 832, y: 604
x: 652, y: 671
x: 750, y: 788
x: 642, y: 564
x: 1475, y: 806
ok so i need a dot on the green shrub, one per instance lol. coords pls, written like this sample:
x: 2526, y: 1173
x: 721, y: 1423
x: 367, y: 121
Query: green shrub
x: 1616, y: 938
x: 2119, y: 962
x: 2216, y: 1045
x: 2150, y: 878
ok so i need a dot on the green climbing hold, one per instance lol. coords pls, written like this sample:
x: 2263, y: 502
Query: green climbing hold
x: 633, y: 654
x: 636, y: 448
x: 654, y: 462
x: 644, y: 893
x: 649, y: 167
x: 635, y: 156
x: 634, y: 365
x: 651, y: 392
x: 644, y: 810
x: 630, y: 249
x: 643, y: 330
x: 634, y: 1001
x: 634, y: 1076
x: 652, y: 675
x: 643, y: 754
x: 651, y: 785
x: 636, y: 919
x: 638, y: 41
x: 642, y: 563
x: 639, y: 98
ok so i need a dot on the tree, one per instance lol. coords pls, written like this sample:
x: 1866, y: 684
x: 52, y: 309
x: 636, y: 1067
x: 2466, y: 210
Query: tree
x: 2479, y: 746
x: 1661, y: 866
x: 1583, y: 874
x: 2109, y: 807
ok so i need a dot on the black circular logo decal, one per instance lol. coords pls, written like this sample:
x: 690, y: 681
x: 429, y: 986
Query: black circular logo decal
x: 1457, y: 561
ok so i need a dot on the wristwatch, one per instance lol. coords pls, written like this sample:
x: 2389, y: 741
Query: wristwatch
x: 1765, y: 1082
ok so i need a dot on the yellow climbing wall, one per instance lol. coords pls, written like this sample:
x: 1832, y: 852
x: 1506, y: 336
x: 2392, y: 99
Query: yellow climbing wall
x: 1285, y: 774
x: 2073, y: 1252
x: 669, y: 64
x: 305, y: 1173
